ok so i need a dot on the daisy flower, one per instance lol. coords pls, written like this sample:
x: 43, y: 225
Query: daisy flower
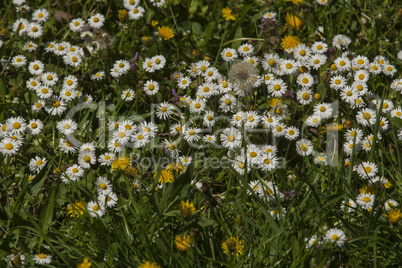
x: 360, y: 62
x: 96, y: 209
x: 140, y: 139
x: 350, y: 204
x: 96, y: 21
x: 302, y: 53
x: 341, y: 41
x: 97, y: 76
x: 320, y: 159
x: 35, y: 126
x: 110, y: 200
x: 36, y: 67
x: 159, y: 61
x: 197, y: 106
x: 365, y: 200
x: 367, y: 170
x: 305, y: 80
x: 149, y: 128
x: 86, y: 159
x: 239, y: 164
x: 55, y: 106
x: 67, y: 126
x: 72, y: 59
x: 319, y: 47
x: 349, y: 95
x: 231, y: 138
x: 304, y: 147
x: 68, y: 94
x: 49, y: 79
x: 291, y: 133
x: 375, y: 68
x: 352, y: 133
x: 324, y: 110
x: 191, y: 134
x: 87, y: 35
x: 288, y: 66
x: 206, y: 90
x: 229, y: 54
x: 209, y: 139
x: 42, y: 258
x: 211, y: 74
x: 184, y: 82
x: 349, y: 146
x: 44, y: 92
x: 73, y: 173
x: 335, y: 236
x: 164, y: 110
x: 16, y: 125
x: 106, y: 159
x: 29, y: 46
x: 361, y: 76
x: 136, y: 13
x: 158, y: 3
x: 390, y: 204
x: 130, y: 4
x: 33, y: 83
x: 251, y: 119
x: 40, y: 15
x: 185, y: 160
x: 128, y: 94
x: 337, y: 82
x: 342, y: 64
x: 268, y: 162
x: 36, y: 164
x: 151, y: 87
x: 38, y: 105
x: 175, y: 129
x: 366, y: 117
x: 21, y: 25
x: 18, y: 61
x: 316, y: 61
x: 389, y: 70
x: 245, y: 49
x: 148, y: 65
x: 277, y: 88
x: 227, y: 103
x: 66, y: 146
x: 9, y: 146
x: 269, y: 15
x: 35, y: 30
x: 305, y: 96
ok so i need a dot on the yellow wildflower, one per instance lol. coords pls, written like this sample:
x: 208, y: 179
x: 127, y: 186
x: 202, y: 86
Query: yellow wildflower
x: 233, y: 246
x: 186, y: 209
x: 182, y: 242
x: 293, y: 21
x: 290, y: 41
x: 227, y: 14
x: 165, y: 32
x: 76, y: 209
x: 394, y: 215
x: 85, y: 264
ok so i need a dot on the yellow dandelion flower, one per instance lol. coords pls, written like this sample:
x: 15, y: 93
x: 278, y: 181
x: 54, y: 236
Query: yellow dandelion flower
x: 290, y: 41
x: 154, y: 23
x: 145, y: 39
x: 132, y: 170
x: 85, y: 264
x: 182, y: 242
x: 165, y: 176
x: 367, y: 189
x: 228, y: 14
x: 122, y: 14
x: 394, y: 215
x: 147, y: 264
x: 121, y: 162
x: 233, y: 246
x: 296, y: 2
x: 76, y: 209
x: 165, y: 32
x: 186, y: 209
x: 332, y: 127
x: 176, y: 167
x: 293, y: 21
